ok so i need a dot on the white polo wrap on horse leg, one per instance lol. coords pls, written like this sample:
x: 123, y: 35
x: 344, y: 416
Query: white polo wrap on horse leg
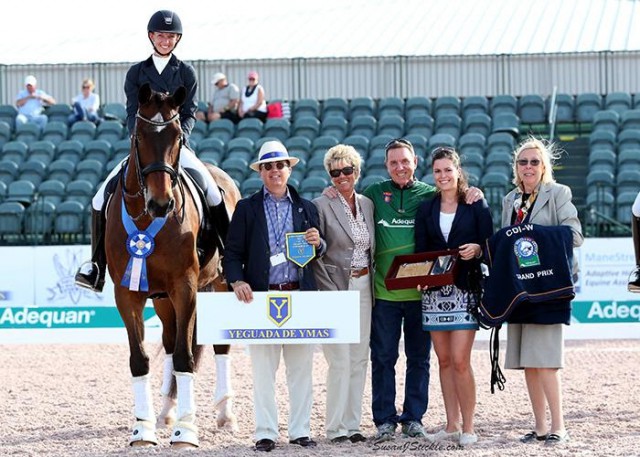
x: 167, y: 415
x: 223, y: 378
x: 144, y: 428
x: 167, y: 374
x: 185, y: 430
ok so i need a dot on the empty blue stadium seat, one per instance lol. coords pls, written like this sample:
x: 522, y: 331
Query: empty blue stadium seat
x: 449, y: 123
x: 8, y: 114
x: 59, y: 112
x: 420, y: 123
x: 335, y: 107
x: 55, y: 131
x: 628, y: 139
x: 604, y: 139
x: 362, y: 106
x: 306, y: 107
x: 606, y: 120
x: 322, y: 144
x: 630, y: 120
x: 278, y: 128
x: 618, y: 102
x: 391, y: 124
x: 27, y: 133
x: 306, y: 126
x: 364, y: 125
x: 501, y: 104
x: 506, y: 122
x: 479, y: 123
x: 222, y: 129
x: 587, y: 105
x: 565, y: 107
x: 446, y: 105
x: 474, y: 105
x: 417, y: 106
x: 531, y: 109
x: 390, y: 106
x: 603, y: 159
x: 335, y: 126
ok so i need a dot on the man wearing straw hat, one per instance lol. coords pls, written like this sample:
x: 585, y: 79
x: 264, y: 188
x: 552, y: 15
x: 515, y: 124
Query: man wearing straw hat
x: 255, y: 259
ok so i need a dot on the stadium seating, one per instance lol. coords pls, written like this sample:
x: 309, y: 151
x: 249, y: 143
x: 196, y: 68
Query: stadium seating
x: 446, y: 105
x: 335, y: 107
x: 90, y: 170
x: 72, y: 150
x: 441, y: 139
x: 474, y: 105
x: 99, y: 150
x: 306, y: 107
x: 11, y: 221
x: 15, y: 150
x: 59, y: 112
x: 479, y: 123
x: 322, y: 144
x: 629, y: 158
x: 603, y: 159
x: 298, y: 145
x: 115, y: 111
x: 503, y: 104
x: 360, y: 143
x: 250, y: 185
x: 449, y: 123
x: 420, y: 123
x: 618, y: 102
x: 21, y: 191
x: 42, y: 150
x: 8, y: 171
x: 630, y: 120
x: 565, y: 107
x: 362, y: 106
x: 80, y: 191
x: 52, y: 190
x: 627, y: 180
x: 68, y: 222
x: 27, y: 133
x: 8, y: 114
x: 608, y: 120
x: 251, y: 128
x: 110, y: 131
x: 277, y: 128
x: 5, y: 133
x: 531, y: 109
x: 391, y: 124
x: 223, y: 129
x: 390, y: 106
x: 628, y: 139
x: 33, y: 170
x: 83, y: 131
x: 624, y: 202
x: 38, y: 221
x: 308, y: 127
x: 335, y: 126
x: 587, y: 105
x: 55, y: 131
x: 415, y: 106
x: 365, y: 125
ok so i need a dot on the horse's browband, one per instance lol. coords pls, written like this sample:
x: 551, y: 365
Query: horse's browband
x: 158, y: 123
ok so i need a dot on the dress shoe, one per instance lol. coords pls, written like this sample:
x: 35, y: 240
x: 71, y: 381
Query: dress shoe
x: 265, y: 445
x: 304, y: 441
x: 357, y: 438
x: 339, y: 439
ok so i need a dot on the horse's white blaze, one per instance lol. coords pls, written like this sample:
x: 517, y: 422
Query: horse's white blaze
x: 158, y: 118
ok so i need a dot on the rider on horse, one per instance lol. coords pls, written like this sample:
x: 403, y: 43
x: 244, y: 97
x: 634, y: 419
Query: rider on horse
x: 165, y: 73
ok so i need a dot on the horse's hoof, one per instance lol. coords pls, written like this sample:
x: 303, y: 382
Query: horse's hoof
x: 180, y: 445
x: 228, y: 422
x: 185, y: 435
x: 143, y: 434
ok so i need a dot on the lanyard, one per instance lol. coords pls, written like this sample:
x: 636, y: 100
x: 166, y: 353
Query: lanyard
x: 279, y: 236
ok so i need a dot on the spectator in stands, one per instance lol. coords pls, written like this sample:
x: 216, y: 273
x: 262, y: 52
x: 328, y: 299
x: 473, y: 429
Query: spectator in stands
x: 535, y: 339
x: 252, y: 101
x: 86, y: 104
x: 442, y: 223
x: 165, y: 73
x: 255, y: 260
x: 347, y: 265
x: 31, y: 102
x: 225, y: 100
x: 634, y: 277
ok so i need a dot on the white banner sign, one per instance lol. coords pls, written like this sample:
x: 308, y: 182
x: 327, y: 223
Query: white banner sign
x: 279, y: 317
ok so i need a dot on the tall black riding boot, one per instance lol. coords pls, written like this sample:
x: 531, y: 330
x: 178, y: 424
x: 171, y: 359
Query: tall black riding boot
x: 220, y: 221
x: 93, y: 279
x: 634, y: 277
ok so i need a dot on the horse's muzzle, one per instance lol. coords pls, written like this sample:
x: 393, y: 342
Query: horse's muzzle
x: 158, y: 209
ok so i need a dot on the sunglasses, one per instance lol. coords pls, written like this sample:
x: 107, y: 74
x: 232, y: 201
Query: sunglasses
x: 345, y: 171
x: 86, y: 87
x: 525, y: 162
x: 279, y: 165
x: 398, y: 142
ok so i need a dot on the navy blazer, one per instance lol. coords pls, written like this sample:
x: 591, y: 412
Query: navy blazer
x: 247, y: 254
x: 471, y: 224
x: 174, y: 75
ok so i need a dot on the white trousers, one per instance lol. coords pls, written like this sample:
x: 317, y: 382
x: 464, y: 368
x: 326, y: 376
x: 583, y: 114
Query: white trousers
x: 348, y: 371
x: 298, y: 359
x: 187, y: 160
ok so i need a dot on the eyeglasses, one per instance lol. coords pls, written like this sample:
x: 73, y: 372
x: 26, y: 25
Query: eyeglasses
x: 279, y: 165
x: 345, y: 171
x: 252, y: 79
x: 525, y: 162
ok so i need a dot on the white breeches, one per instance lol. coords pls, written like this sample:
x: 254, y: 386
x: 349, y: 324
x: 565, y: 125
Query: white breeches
x: 635, y: 209
x: 187, y: 160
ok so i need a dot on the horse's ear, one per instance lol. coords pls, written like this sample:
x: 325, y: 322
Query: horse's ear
x: 180, y: 96
x: 144, y: 94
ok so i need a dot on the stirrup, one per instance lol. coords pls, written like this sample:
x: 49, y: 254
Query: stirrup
x: 91, y: 280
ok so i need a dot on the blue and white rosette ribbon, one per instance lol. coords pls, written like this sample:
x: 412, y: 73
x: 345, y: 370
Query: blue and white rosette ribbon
x: 140, y: 244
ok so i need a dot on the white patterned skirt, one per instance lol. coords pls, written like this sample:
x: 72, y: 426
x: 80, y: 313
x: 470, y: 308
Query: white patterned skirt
x: 447, y: 309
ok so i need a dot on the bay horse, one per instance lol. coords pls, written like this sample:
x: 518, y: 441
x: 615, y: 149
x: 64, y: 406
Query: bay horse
x: 151, y: 232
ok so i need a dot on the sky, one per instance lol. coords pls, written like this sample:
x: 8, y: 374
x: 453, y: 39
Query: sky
x: 66, y: 31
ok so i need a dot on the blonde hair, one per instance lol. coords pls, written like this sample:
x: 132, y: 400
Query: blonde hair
x: 88, y: 82
x: 549, y: 153
x: 343, y: 152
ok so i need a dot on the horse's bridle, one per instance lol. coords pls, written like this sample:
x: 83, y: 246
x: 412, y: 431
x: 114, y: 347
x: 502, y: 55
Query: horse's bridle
x: 164, y: 167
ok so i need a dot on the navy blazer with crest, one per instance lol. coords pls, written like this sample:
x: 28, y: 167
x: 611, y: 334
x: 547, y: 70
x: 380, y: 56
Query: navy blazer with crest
x: 471, y: 224
x: 247, y: 254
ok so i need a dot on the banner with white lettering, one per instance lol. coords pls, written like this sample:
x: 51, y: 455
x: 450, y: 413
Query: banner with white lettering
x: 279, y: 317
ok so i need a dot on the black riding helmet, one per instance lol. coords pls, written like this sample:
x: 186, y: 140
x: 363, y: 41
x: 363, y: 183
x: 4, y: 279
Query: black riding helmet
x: 165, y: 21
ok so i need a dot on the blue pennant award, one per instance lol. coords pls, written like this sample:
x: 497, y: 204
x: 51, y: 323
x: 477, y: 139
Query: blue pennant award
x: 140, y: 244
x: 298, y: 250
